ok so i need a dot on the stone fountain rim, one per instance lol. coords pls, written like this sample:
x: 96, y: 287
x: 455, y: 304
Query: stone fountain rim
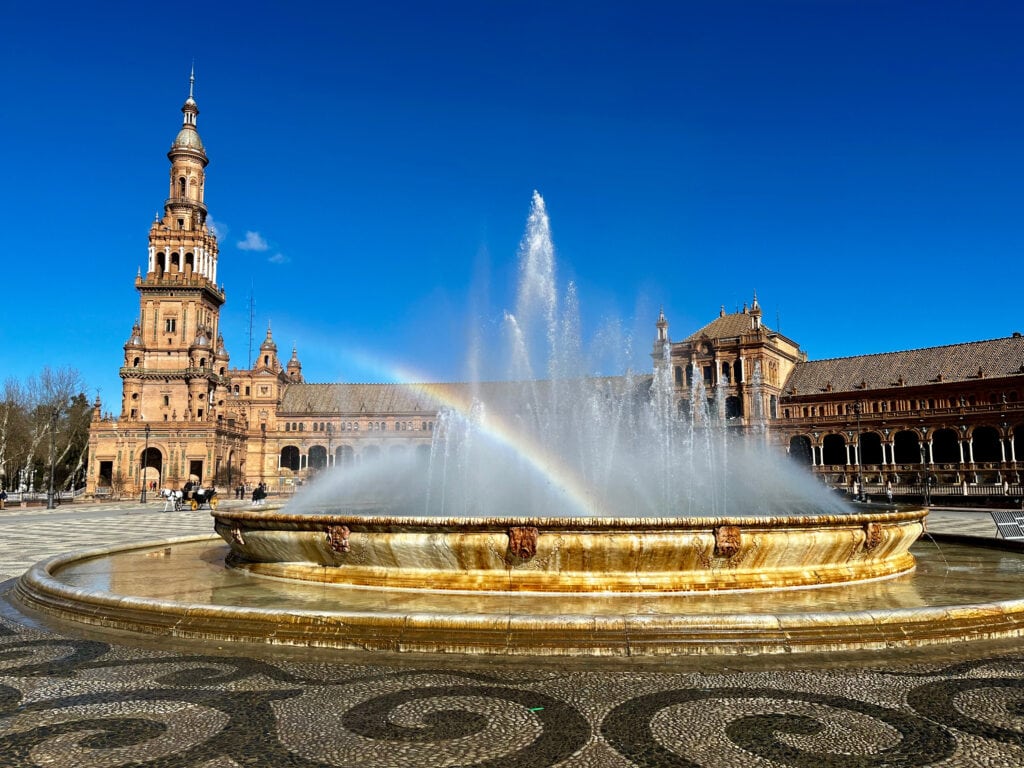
x: 40, y: 590
x: 374, y: 518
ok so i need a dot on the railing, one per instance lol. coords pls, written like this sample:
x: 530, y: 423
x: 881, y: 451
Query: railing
x: 1012, y: 490
x: 24, y: 497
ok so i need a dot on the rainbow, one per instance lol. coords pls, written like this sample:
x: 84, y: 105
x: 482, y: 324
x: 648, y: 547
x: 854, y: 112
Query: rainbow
x: 549, y: 466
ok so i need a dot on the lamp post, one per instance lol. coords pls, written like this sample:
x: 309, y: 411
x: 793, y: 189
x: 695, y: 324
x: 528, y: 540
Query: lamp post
x: 53, y: 453
x: 860, y: 477
x: 145, y: 466
x: 330, y: 434
x: 925, y: 479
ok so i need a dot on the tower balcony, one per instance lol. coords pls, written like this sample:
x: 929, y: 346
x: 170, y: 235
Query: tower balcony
x: 184, y: 202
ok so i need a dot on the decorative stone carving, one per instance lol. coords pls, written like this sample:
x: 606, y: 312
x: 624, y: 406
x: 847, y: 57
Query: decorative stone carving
x: 337, y: 537
x: 874, y: 534
x: 727, y: 540
x: 236, y: 536
x: 522, y: 541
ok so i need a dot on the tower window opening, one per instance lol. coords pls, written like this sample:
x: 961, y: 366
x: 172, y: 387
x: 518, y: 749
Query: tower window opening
x: 170, y: 324
x: 181, y: 187
x: 181, y: 223
x: 167, y: 400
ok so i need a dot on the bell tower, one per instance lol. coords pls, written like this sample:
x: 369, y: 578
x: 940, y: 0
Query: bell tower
x: 175, y: 366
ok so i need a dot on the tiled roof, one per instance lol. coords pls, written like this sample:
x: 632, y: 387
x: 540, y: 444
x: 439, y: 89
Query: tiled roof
x: 355, y: 399
x: 913, y: 367
x: 727, y: 327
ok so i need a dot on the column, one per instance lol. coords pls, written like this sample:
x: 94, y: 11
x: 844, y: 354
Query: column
x: 931, y: 458
x: 847, y: 454
x: 970, y: 450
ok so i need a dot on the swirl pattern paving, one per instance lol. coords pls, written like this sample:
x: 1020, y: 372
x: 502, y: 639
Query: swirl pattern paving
x: 69, y: 701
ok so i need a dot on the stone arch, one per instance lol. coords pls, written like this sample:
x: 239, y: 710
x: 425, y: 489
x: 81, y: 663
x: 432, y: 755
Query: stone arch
x: 946, y: 446
x: 151, y: 460
x: 344, y: 456
x: 833, y: 449
x: 423, y: 454
x: 733, y: 407
x: 190, y: 263
x: 175, y: 265
x: 906, y: 447
x: 317, y: 457
x: 985, y: 444
x: 871, y: 448
x: 1018, y: 441
x: 800, y: 449
x: 161, y: 262
x: 290, y: 458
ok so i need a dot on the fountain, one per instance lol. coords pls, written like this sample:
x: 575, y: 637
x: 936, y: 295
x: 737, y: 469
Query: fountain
x: 558, y: 512
x: 556, y: 481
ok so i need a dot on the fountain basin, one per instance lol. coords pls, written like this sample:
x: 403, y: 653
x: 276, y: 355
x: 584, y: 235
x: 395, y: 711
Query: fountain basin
x: 572, y: 555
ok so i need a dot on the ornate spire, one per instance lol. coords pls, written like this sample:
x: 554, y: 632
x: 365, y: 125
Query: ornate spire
x: 662, y: 325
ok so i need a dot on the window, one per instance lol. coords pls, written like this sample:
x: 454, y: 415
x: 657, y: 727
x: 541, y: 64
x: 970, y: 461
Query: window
x: 170, y: 324
x: 167, y: 400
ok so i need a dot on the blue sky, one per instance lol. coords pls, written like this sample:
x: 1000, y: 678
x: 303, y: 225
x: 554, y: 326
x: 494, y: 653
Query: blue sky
x: 858, y: 164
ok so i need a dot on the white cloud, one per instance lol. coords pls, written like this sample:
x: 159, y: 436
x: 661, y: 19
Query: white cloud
x: 278, y: 258
x: 253, y: 242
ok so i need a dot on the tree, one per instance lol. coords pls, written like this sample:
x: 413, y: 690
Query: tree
x: 44, y: 411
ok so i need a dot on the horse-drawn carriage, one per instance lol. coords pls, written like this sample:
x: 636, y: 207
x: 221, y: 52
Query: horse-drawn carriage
x: 194, y: 496
x: 198, y: 496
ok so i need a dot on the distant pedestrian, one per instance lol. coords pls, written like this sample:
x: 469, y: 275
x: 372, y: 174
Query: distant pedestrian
x: 3, y: 498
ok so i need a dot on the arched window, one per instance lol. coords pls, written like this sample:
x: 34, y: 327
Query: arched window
x: 317, y: 457
x: 290, y: 458
x: 800, y: 449
x: 833, y: 450
x: 726, y: 373
x: 679, y: 376
x: 181, y: 186
x: 135, y: 363
x: 906, y: 447
x: 985, y: 444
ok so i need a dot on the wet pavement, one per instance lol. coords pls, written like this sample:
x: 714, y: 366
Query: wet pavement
x: 71, y: 699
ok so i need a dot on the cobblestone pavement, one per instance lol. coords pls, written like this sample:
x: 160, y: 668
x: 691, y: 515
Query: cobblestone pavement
x: 71, y: 700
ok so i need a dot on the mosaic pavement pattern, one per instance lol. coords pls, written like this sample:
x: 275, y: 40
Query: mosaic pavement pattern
x: 68, y: 701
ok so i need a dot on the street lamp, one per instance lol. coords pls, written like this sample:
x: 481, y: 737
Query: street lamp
x: 860, y: 478
x: 145, y: 466
x: 53, y: 453
x: 330, y: 434
x: 925, y: 479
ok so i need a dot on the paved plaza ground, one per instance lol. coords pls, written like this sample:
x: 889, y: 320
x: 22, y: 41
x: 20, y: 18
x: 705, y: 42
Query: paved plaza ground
x: 106, y: 701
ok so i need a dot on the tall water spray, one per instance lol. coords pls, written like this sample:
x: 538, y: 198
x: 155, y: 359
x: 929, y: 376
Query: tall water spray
x: 552, y: 439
